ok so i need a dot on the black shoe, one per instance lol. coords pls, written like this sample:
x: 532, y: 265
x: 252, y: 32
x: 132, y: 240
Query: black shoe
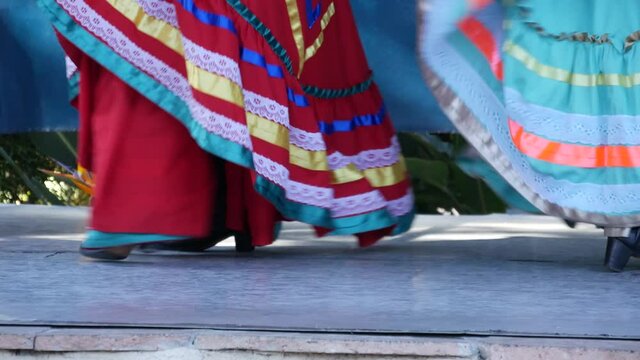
x: 244, y: 243
x: 187, y: 245
x: 620, y: 250
x: 108, y: 253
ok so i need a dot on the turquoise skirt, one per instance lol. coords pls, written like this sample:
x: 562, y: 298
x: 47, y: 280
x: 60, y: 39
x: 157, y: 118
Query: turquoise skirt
x: 547, y: 91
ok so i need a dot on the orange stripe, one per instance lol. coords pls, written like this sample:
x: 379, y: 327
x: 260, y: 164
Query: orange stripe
x: 571, y: 154
x: 478, y: 4
x: 482, y: 38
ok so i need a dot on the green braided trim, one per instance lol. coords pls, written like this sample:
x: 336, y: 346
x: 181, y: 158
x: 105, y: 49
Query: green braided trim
x: 337, y: 93
x: 280, y: 51
x: 263, y: 30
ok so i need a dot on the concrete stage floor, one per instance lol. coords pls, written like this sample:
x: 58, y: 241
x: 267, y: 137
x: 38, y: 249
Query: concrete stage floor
x: 499, y: 275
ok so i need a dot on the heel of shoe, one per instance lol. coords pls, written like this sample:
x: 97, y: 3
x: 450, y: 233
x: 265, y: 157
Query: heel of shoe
x: 244, y: 243
x: 111, y: 253
x: 617, y: 255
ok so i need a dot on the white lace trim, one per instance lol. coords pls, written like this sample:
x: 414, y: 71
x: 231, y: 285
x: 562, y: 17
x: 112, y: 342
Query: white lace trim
x: 70, y: 67
x: 358, y: 204
x: 266, y: 108
x: 162, y: 72
x: 367, y: 159
x: 295, y: 191
x: 212, y: 61
x: 307, y: 140
x: 162, y: 10
x: 401, y: 206
x: 309, y: 194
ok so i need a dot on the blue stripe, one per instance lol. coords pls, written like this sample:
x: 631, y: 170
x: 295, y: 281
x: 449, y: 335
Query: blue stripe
x: 356, y: 122
x: 207, y: 17
x: 299, y: 100
x: 313, y: 13
x: 254, y: 58
x: 274, y: 71
x: 599, y: 176
x: 247, y: 55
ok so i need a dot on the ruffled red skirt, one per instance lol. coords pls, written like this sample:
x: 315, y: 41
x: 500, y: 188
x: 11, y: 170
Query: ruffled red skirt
x: 266, y: 110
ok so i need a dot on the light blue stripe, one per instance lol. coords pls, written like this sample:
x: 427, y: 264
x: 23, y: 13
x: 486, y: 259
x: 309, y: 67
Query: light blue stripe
x: 600, y: 176
x: 587, y: 100
x: 572, y: 128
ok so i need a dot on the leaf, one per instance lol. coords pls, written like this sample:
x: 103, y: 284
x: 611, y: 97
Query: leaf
x: 433, y: 172
x: 38, y: 189
x: 475, y: 194
x: 414, y: 145
x: 56, y: 145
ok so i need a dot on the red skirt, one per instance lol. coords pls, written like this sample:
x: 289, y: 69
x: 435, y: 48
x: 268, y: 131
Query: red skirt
x: 279, y: 92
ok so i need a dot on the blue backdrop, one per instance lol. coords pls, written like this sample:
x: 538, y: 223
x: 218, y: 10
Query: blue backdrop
x: 388, y: 32
x: 33, y: 89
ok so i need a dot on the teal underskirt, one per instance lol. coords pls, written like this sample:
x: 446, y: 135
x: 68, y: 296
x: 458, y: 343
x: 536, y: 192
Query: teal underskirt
x: 98, y: 239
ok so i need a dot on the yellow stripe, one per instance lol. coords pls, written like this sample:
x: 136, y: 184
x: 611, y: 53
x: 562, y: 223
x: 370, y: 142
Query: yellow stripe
x: 324, y: 22
x: 268, y: 130
x: 278, y: 135
x: 576, y: 79
x: 158, y: 29
x: 346, y: 174
x: 387, y: 176
x: 215, y: 85
x: 202, y: 80
x: 296, y: 28
x: 312, y: 160
x: 377, y: 177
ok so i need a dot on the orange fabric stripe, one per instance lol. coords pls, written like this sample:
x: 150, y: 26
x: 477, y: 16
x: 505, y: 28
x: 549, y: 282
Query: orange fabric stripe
x: 478, y: 4
x: 482, y: 38
x: 572, y: 154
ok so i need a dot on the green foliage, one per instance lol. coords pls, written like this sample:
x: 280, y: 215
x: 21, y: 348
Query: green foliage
x: 440, y: 186
x: 22, y: 157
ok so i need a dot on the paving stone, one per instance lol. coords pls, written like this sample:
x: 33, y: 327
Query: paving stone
x: 112, y: 340
x: 143, y: 344
x: 559, y: 349
x: 335, y: 344
x: 19, y: 338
